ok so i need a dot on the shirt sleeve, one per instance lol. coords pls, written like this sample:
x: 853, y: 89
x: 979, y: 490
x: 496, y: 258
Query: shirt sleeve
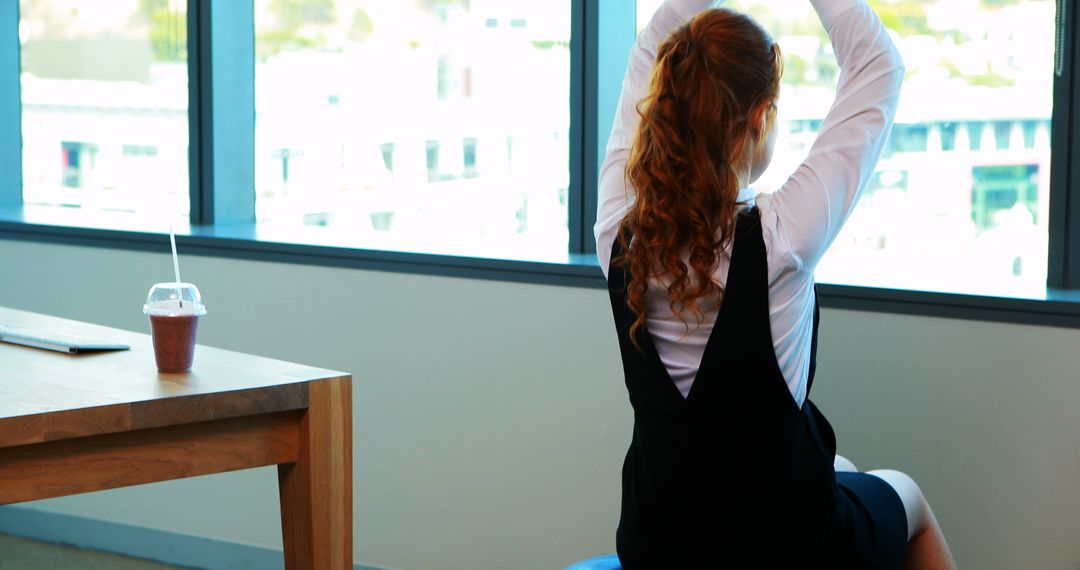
x: 817, y: 199
x: 615, y: 196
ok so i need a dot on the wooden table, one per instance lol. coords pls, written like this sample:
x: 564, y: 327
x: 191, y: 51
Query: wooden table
x: 79, y: 423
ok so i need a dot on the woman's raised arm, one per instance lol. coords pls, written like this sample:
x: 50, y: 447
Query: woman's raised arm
x: 814, y: 203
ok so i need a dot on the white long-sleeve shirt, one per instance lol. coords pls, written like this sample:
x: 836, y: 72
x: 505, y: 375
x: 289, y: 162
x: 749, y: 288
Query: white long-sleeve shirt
x: 802, y: 217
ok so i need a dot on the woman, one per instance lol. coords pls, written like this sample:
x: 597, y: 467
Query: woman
x: 712, y: 289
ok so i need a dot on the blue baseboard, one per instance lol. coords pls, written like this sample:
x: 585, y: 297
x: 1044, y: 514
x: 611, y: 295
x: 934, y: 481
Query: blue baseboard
x: 140, y: 542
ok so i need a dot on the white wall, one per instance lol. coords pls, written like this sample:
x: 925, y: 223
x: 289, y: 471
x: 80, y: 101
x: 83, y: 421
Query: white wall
x: 490, y: 418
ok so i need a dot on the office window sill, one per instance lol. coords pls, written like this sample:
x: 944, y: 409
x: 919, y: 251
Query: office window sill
x: 286, y: 244
x: 304, y: 246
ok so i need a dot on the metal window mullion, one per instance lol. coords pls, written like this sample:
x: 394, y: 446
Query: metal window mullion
x: 1070, y: 153
x: 221, y: 78
x: 10, y: 107
x: 576, y: 203
x: 1063, y: 265
x: 196, y: 145
x: 607, y: 29
x: 590, y: 122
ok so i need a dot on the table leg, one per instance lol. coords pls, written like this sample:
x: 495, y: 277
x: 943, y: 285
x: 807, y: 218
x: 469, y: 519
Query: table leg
x: 316, y: 491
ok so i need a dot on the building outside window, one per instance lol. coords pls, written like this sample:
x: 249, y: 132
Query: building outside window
x: 101, y: 84
x: 435, y: 125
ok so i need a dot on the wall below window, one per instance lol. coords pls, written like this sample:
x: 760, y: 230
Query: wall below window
x: 490, y: 418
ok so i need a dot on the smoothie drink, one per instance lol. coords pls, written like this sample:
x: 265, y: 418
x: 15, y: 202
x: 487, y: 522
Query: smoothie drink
x: 174, y: 312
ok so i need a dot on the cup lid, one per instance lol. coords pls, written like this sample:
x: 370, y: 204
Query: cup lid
x: 173, y: 300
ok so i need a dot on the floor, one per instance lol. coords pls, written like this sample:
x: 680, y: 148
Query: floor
x: 22, y: 554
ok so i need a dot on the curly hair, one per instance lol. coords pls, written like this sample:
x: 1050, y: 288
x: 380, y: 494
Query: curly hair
x: 714, y: 79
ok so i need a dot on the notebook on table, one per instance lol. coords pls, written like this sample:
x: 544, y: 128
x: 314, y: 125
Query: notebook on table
x: 51, y: 340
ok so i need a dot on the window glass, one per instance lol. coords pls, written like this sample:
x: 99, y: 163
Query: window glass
x: 960, y: 200
x: 421, y: 125
x: 104, y: 105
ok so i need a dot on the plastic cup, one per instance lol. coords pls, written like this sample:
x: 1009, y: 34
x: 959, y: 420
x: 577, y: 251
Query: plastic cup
x: 174, y: 311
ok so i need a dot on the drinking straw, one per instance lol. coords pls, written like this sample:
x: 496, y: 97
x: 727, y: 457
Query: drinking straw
x: 176, y: 266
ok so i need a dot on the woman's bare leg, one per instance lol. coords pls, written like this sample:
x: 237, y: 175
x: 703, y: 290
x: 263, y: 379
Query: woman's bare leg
x: 926, y: 549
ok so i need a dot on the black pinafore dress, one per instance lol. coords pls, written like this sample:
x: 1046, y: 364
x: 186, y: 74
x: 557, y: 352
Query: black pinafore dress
x: 736, y: 475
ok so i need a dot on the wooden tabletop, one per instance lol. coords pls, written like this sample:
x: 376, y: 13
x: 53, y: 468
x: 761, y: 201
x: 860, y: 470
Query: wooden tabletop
x: 47, y: 396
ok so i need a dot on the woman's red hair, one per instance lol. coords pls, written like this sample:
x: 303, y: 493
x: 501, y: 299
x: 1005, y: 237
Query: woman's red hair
x: 715, y: 78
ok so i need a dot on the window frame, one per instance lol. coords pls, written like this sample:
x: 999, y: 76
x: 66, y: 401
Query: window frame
x: 221, y: 111
x: 1063, y: 266
x: 10, y: 107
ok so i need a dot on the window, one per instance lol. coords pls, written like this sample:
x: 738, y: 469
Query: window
x: 435, y: 125
x: 463, y: 137
x: 961, y: 197
x: 104, y: 105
